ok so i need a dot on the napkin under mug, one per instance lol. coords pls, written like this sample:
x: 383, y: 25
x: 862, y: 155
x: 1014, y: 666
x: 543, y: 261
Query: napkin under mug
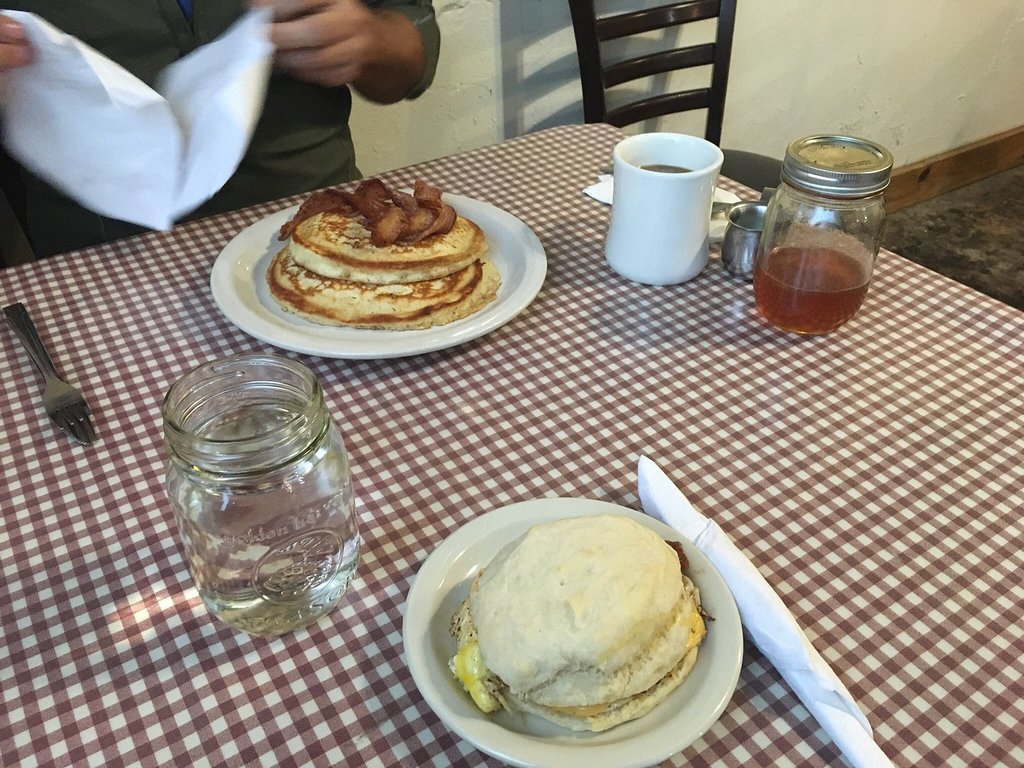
x: 767, y: 621
x: 122, y: 149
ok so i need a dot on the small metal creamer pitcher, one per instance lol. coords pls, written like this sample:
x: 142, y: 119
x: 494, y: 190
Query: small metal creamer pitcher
x: 742, y: 236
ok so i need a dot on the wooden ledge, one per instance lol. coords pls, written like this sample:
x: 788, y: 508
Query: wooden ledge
x: 951, y: 170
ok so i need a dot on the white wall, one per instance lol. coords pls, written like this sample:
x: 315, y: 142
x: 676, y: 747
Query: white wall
x: 919, y: 76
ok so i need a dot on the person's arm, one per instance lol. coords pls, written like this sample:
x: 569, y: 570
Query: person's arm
x: 379, y: 52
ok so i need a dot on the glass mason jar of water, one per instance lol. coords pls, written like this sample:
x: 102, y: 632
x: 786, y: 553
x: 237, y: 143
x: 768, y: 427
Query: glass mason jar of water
x: 822, y: 231
x: 259, y: 481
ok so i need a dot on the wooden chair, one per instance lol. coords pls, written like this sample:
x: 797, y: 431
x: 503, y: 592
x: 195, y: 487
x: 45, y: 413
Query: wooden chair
x: 600, y: 76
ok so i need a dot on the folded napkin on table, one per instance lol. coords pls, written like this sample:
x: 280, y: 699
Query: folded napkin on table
x: 122, y: 149
x: 767, y: 621
x: 603, y: 189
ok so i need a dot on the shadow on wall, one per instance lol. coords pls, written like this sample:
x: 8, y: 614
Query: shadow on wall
x: 540, y: 77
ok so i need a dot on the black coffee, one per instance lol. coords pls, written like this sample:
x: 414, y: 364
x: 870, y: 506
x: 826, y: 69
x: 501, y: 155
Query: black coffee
x: 661, y: 168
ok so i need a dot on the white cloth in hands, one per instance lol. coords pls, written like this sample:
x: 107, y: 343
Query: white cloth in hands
x: 125, y: 150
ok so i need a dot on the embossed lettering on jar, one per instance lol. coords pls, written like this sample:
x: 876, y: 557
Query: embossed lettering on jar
x: 259, y: 481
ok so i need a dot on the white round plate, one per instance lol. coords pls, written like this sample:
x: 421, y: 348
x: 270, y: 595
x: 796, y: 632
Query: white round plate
x: 526, y: 740
x: 716, y: 232
x: 239, y: 286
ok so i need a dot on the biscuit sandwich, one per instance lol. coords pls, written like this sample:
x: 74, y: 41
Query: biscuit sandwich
x: 588, y: 622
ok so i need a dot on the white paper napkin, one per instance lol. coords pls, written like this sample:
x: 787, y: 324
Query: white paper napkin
x: 604, y: 190
x: 767, y: 621
x: 123, y: 149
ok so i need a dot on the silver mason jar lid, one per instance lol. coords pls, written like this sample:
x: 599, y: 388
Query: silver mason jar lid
x: 840, y: 166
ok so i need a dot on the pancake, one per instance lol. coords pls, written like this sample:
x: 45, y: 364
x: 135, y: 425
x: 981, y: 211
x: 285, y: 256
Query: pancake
x: 333, y: 244
x: 398, y: 306
x: 380, y: 258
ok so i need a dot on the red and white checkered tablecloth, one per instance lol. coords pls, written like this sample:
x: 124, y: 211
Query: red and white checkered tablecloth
x: 874, y: 476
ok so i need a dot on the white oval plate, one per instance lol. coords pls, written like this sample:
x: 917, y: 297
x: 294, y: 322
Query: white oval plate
x: 526, y: 740
x: 239, y: 286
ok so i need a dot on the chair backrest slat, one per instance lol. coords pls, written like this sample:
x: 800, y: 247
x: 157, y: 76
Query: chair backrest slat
x: 592, y: 30
x: 651, y: 19
x: 645, y: 109
x: 659, y: 63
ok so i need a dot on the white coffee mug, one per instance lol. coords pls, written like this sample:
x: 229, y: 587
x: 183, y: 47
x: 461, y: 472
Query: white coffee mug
x: 661, y: 207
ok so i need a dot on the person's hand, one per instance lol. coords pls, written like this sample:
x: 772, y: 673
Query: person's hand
x: 15, y: 50
x: 343, y: 42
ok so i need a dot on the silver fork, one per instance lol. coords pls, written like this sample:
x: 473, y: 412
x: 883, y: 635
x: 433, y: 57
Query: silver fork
x: 63, y: 403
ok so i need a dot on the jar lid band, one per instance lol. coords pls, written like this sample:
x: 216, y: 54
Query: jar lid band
x: 843, y: 166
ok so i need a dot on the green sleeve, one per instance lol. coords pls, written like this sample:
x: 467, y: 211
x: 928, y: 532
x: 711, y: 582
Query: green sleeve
x: 421, y: 14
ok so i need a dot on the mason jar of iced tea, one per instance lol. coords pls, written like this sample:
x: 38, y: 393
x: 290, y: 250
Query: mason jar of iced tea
x: 258, y: 477
x: 822, y: 231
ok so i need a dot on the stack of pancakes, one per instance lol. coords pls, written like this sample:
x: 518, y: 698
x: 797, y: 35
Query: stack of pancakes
x: 345, y: 265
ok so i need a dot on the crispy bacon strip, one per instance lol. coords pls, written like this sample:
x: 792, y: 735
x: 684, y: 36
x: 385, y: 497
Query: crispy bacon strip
x: 370, y: 208
x: 426, y: 194
x: 374, y: 189
x: 318, y: 202
x: 390, y: 215
x: 405, y: 201
x: 388, y: 228
x: 444, y: 222
x: 684, y: 563
x: 417, y: 224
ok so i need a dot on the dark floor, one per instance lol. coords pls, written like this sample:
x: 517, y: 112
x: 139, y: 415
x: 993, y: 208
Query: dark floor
x: 974, y: 235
